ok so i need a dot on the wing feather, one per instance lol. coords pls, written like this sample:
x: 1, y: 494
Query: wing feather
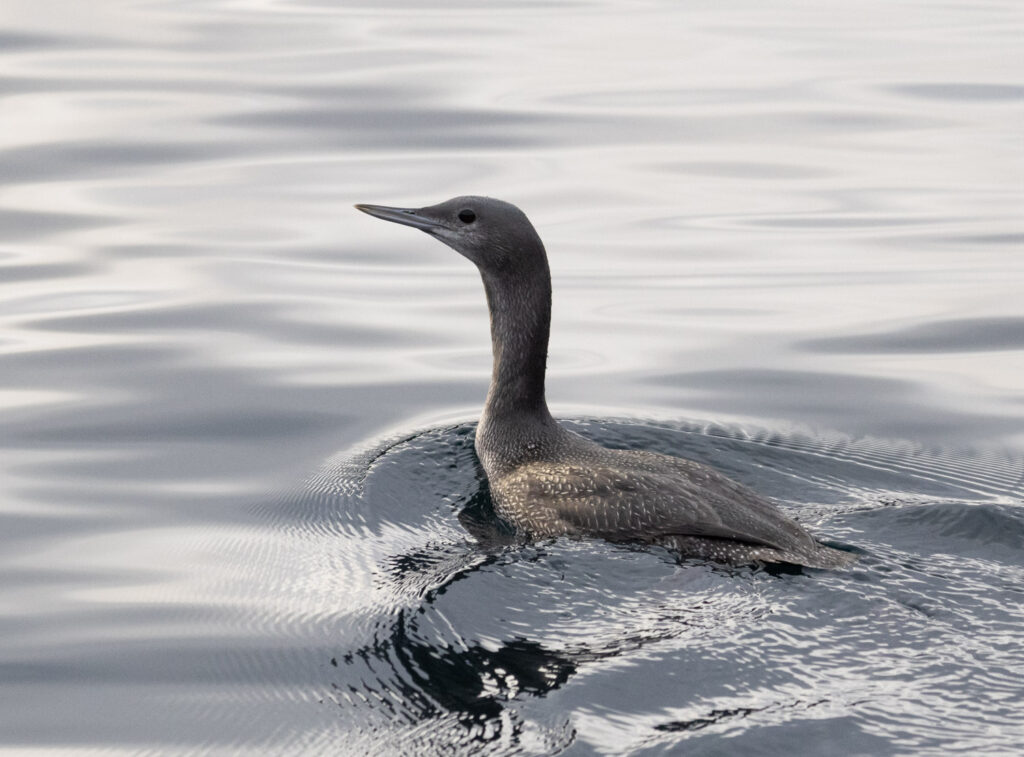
x: 643, y: 500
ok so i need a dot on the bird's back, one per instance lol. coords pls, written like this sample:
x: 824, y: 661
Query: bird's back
x: 575, y: 487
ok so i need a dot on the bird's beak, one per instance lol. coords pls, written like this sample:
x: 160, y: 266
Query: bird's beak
x: 404, y: 216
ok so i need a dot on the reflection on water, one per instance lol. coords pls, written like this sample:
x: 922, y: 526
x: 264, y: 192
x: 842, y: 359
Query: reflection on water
x: 469, y: 631
x: 798, y: 219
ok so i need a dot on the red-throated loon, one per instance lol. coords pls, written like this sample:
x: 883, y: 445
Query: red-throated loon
x: 547, y: 481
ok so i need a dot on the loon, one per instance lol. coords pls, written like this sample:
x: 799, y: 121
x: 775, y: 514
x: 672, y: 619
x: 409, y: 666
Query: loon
x: 547, y: 481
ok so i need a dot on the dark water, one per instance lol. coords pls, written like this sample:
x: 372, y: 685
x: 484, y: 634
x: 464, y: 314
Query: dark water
x: 785, y: 240
x: 459, y: 637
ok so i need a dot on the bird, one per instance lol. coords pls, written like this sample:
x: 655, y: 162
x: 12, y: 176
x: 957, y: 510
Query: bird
x: 547, y: 481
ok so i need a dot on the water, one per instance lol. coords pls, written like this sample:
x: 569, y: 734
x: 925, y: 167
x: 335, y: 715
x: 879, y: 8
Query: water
x: 240, y: 509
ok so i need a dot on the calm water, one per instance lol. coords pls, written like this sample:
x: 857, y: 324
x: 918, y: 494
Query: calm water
x: 240, y: 511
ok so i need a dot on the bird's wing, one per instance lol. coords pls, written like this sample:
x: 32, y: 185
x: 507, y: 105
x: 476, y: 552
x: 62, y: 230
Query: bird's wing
x: 633, y: 503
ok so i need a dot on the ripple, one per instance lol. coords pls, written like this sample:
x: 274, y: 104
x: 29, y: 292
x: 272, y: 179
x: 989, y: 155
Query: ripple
x: 280, y: 323
x: 469, y: 631
x: 12, y: 273
x: 961, y: 91
x: 959, y: 335
x: 22, y: 225
x: 870, y: 405
x: 375, y: 127
x: 735, y: 169
x: 66, y: 161
x: 983, y: 531
x: 12, y: 40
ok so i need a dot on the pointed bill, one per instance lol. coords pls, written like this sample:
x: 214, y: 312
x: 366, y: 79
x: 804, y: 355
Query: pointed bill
x: 404, y: 216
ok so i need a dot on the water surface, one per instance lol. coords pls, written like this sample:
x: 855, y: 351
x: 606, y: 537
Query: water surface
x: 240, y: 511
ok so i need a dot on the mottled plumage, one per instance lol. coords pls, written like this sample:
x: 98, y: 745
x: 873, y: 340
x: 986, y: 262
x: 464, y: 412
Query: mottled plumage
x: 583, y: 489
x: 547, y: 481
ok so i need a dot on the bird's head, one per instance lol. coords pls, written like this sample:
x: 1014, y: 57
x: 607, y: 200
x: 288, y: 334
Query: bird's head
x: 497, y: 236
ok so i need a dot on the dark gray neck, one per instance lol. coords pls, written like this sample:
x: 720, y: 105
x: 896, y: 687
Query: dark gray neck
x: 520, y: 307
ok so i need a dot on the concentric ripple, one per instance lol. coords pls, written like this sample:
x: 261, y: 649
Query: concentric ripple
x: 473, y: 638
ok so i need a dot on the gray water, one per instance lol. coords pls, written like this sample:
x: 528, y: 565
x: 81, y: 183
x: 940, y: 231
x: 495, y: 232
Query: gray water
x: 240, y: 511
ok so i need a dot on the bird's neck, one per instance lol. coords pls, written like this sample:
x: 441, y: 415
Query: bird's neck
x: 520, y: 308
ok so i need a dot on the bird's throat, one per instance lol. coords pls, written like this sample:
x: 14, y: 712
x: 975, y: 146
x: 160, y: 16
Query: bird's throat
x: 520, y: 309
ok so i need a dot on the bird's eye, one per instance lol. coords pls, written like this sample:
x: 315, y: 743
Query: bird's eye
x: 467, y: 216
